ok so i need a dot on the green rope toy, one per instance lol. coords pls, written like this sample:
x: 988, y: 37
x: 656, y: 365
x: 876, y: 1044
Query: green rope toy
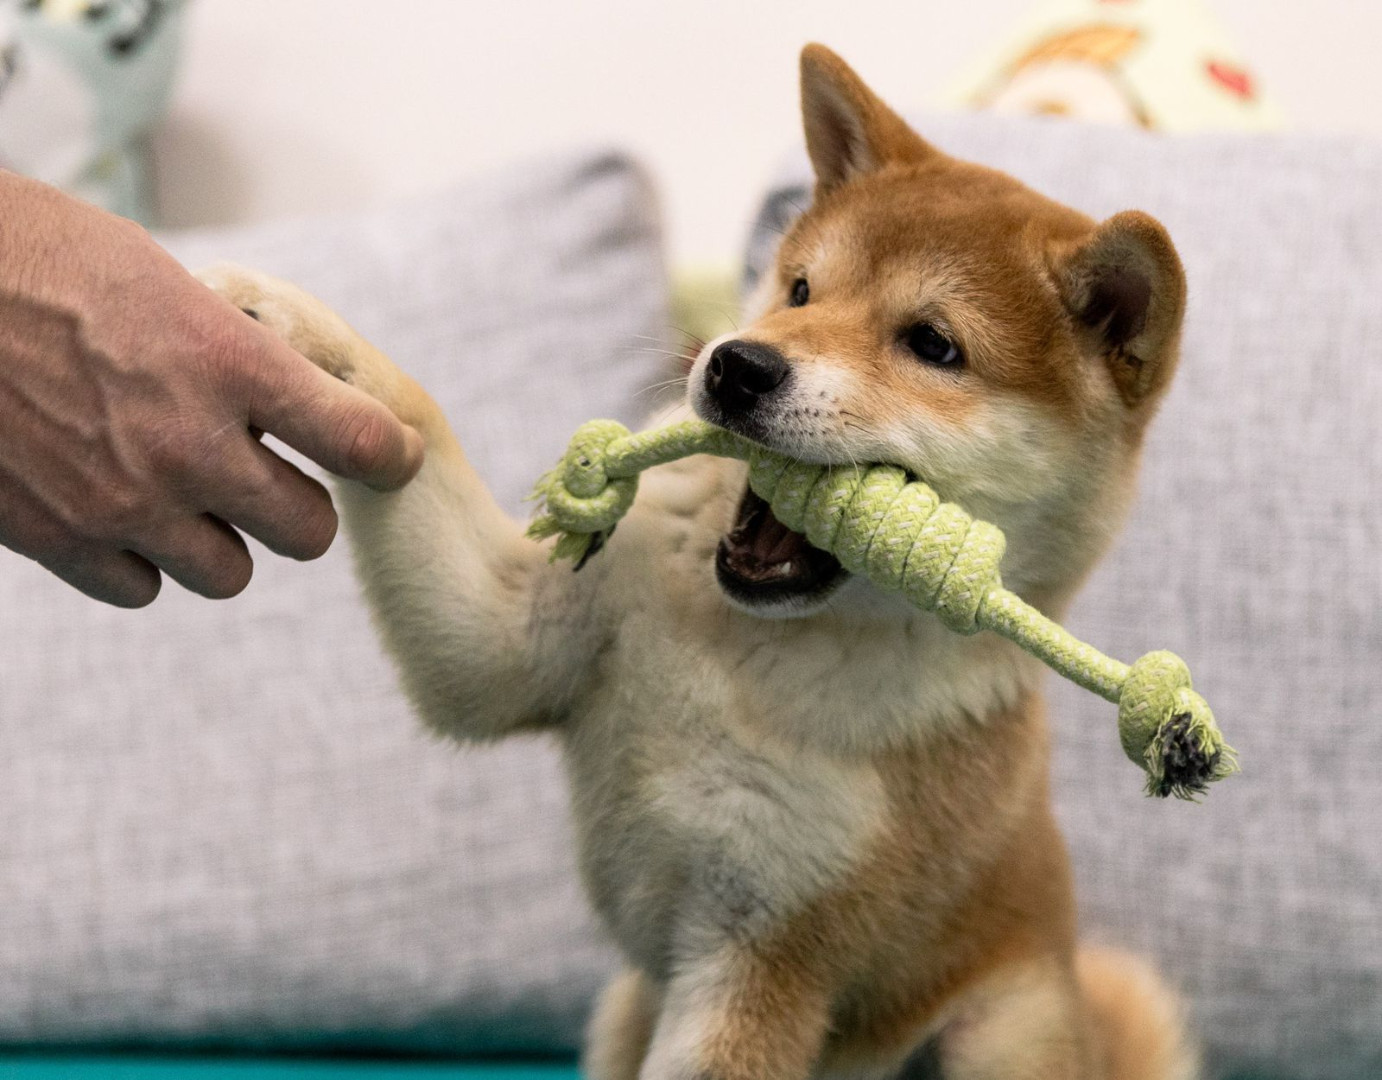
x: 900, y: 535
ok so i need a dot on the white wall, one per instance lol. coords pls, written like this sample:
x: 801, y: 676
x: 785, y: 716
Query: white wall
x: 288, y: 106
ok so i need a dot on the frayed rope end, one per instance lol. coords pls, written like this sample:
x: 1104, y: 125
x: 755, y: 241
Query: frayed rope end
x: 1187, y: 754
x: 1170, y: 731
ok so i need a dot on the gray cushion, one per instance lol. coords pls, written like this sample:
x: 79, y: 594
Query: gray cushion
x: 219, y: 822
x: 1255, y: 553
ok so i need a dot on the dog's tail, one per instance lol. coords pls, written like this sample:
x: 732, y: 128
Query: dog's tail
x: 1138, y: 1021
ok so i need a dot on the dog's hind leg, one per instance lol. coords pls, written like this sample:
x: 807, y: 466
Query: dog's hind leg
x: 621, y: 1028
x: 1108, y: 1019
x: 1025, y: 1022
x: 487, y: 637
x: 739, y: 1013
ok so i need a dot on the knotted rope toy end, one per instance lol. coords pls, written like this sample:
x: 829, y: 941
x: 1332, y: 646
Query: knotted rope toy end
x: 582, y: 502
x: 1169, y: 730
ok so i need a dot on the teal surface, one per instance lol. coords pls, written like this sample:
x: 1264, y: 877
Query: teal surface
x: 121, y: 1067
x: 38, y: 1066
x: 113, y: 1067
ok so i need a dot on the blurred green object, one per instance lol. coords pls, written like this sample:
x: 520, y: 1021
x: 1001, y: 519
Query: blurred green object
x: 705, y: 304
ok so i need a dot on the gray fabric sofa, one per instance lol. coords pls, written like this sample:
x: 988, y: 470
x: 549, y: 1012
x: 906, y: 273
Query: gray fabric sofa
x: 218, y: 822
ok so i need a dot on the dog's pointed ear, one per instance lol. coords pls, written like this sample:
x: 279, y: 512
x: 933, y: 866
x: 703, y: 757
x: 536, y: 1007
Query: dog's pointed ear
x: 849, y: 131
x: 1125, y: 287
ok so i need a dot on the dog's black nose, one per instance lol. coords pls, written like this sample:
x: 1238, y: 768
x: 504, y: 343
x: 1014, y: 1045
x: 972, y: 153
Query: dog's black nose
x: 740, y: 372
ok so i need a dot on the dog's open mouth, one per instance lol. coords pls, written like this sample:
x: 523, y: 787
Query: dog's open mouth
x: 761, y: 562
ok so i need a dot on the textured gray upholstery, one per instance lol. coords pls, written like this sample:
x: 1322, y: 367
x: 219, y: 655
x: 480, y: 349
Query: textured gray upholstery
x: 219, y: 821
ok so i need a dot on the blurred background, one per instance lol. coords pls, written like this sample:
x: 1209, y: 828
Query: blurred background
x: 284, y: 108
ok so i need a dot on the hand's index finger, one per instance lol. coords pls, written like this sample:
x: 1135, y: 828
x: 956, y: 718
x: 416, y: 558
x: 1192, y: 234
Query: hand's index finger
x: 341, y: 428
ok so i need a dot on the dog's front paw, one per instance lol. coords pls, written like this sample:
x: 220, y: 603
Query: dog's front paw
x: 301, y: 320
x: 258, y: 295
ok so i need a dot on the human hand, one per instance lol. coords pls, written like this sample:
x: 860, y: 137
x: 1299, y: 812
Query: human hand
x: 131, y: 398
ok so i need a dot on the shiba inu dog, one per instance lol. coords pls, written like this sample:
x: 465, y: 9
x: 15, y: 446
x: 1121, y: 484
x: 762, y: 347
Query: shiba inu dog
x: 816, y: 822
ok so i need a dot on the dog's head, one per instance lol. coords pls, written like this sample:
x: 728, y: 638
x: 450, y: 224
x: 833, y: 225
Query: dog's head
x: 941, y: 316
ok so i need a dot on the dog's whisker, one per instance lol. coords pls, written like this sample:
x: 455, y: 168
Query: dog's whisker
x: 657, y: 342
x: 657, y: 388
x: 728, y: 312
x: 689, y: 335
x: 657, y: 339
x: 661, y: 354
x: 847, y: 424
x: 653, y: 345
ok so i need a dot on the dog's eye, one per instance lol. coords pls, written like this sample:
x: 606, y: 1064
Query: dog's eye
x: 801, y: 292
x: 929, y: 344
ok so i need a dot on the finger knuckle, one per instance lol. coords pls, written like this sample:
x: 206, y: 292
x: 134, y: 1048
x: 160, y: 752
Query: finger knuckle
x: 139, y: 591
x: 305, y: 521
x: 194, y: 458
x: 173, y: 448
x: 92, y: 571
x: 223, y: 348
x: 316, y: 532
x: 230, y: 578
x: 59, y: 550
x: 118, y: 515
x: 369, y: 442
x: 257, y: 487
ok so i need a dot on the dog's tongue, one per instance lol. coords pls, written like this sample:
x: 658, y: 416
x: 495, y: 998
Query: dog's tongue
x: 772, y: 541
x: 759, y: 544
x: 762, y: 553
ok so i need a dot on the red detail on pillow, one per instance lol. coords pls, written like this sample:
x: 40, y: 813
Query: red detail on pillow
x: 1233, y: 79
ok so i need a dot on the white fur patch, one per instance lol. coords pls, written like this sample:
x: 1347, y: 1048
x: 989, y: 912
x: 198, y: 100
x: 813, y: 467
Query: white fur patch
x: 771, y: 828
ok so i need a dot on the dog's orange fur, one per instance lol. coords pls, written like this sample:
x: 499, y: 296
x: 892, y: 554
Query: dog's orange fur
x: 969, y: 879
x: 940, y: 924
x: 907, y: 232
x: 965, y: 891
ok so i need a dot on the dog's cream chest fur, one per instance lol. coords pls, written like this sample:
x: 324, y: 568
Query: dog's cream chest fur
x: 723, y: 766
x: 693, y: 822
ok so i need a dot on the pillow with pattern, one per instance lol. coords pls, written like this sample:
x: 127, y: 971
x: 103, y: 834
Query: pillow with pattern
x: 1159, y: 64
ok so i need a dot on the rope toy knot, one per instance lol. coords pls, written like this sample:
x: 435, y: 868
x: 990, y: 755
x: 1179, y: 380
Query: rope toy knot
x: 952, y: 562
x: 1169, y: 730
x: 583, y: 501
